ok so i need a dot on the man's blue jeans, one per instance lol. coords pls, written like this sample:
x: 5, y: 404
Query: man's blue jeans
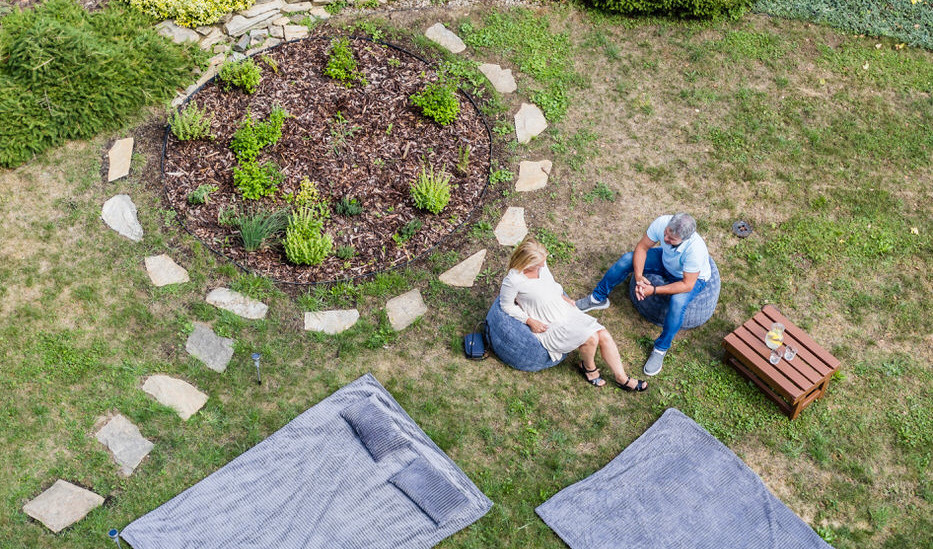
x: 653, y: 265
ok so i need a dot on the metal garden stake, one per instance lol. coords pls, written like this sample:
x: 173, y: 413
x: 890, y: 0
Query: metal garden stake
x: 115, y: 536
x: 256, y: 357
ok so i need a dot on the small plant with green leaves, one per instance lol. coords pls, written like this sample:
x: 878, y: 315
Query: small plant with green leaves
x: 341, y: 65
x: 438, y: 101
x: 346, y: 252
x: 463, y: 158
x: 244, y: 74
x: 557, y: 249
x: 305, y: 242
x: 255, y: 180
x: 481, y: 230
x: 407, y: 231
x: 201, y: 194
x: 270, y: 62
x: 227, y: 216
x: 336, y: 7
x: 602, y: 192
x: 500, y: 175
x: 191, y: 123
x: 431, y: 189
x: 348, y: 207
x: 341, y: 132
x: 257, y: 228
x: 309, y: 197
x: 254, y: 135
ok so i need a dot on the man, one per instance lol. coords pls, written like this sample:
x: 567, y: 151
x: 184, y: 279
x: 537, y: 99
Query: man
x: 682, y: 259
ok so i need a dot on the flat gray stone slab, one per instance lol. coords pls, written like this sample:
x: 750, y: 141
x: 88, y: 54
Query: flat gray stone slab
x: 237, y: 303
x: 178, y: 395
x: 297, y: 7
x: 120, y: 156
x: 447, y: 39
x: 62, y: 505
x: 511, y: 228
x: 164, y: 271
x: 405, y: 309
x: 533, y: 175
x: 294, y: 32
x: 261, y: 8
x: 125, y: 442
x: 239, y: 25
x: 214, y: 37
x: 178, y: 34
x: 211, y: 349
x: 331, y: 322
x: 529, y: 122
x: 500, y: 78
x: 119, y: 213
x: 464, y: 273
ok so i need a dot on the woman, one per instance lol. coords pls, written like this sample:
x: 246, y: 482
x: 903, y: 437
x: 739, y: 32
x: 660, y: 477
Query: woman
x: 530, y: 294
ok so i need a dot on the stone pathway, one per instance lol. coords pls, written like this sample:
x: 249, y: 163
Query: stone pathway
x: 331, y: 322
x: 445, y: 38
x: 178, y: 395
x: 119, y: 213
x: 529, y: 122
x: 532, y: 175
x: 62, y: 505
x: 125, y: 443
x: 405, y: 309
x: 237, y: 303
x: 120, y: 157
x: 163, y: 271
x: 501, y: 79
x: 511, y: 228
x: 211, y: 349
x: 464, y: 273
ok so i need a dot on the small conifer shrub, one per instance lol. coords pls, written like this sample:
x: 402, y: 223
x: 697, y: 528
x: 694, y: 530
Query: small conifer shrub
x: 243, y: 74
x: 305, y: 242
x: 341, y: 64
x: 431, y: 190
x: 191, y: 123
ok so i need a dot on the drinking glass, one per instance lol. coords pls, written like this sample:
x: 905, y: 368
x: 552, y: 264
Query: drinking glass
x: 775, y: 356
x: 775, y: 336
x: 790, y: 352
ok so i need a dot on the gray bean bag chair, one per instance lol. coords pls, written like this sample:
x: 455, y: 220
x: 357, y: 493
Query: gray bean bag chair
x: 514, y: 343
x: 654, y: 308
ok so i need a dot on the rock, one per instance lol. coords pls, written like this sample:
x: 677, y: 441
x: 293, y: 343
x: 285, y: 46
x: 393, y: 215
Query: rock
x: 238, y: 304
x: 211, y: 349
x: 178, y: 34
x: 120, y: 157
x: 258, y: 36
x: 221, y: 48
x: 331, y: 322
x: 242, y: 43
x: 216, y: 60
x: 271, y: 43
x: 240, y: 25
x: 125, y: 443
x: 281, y: 22
x: 178, y: 395
x: 405, y: 309
x: 297, y: 7
x: 214, y: 37
x: 511, y: 228
x: 204, y: 31
x: 319, y: 13
x: 294, y: 32
x: 164, y: 271
x: 237, y: 56
x: 119, y: 213
x: 277, y: 31
x: 529, y: 122
x: 532, y: 175
x: 445, y: 38
x: 501, y: 79
x: 260, y: 8
x: 464, y: 273
x: 62, y: 505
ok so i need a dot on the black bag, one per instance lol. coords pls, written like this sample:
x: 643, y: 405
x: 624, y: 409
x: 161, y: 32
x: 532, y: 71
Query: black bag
x: 474, y: 345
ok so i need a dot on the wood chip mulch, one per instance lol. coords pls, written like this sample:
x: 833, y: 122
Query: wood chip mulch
x: 376, y: 165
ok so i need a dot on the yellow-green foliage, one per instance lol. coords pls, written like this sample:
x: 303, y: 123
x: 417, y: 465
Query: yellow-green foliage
x: 308, y: 197
x: 191, y: 13
x: 306, y: 243
x: 431, y: 190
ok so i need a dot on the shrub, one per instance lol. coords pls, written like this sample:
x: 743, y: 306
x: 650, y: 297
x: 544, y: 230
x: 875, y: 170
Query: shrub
x: 191, y: 13
x: 200, y: 195
x: 191, y: 123
x: 438, y: 101
x: 407, y: 231
x: 348, y: 207
x: 341, y: 65
x: 346, y: 252
x: 256, y: 228
x: 243, y: 74
x: 308, y: 197
x: 431, y: 191
x: 252, y: 136
x: 306, y: 243
x: 255, y: 180
x: 700, y: 9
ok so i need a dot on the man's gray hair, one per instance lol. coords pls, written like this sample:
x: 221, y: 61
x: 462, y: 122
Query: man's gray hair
x: 682, y: 225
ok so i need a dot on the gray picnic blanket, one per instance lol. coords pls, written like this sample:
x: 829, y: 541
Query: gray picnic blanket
x: 353, y: 471
x: 676, y: 486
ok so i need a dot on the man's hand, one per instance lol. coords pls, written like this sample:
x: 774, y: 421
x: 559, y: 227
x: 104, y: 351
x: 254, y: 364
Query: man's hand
x: 536, y: 326
x: 643, y: 289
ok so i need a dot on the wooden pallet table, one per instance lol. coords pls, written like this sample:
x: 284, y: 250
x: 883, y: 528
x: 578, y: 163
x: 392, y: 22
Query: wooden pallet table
x: 793, y: 384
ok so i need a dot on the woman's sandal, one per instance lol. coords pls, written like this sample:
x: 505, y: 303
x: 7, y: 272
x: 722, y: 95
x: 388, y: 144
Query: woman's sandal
x: 596, y: 381
x: 640, y: 385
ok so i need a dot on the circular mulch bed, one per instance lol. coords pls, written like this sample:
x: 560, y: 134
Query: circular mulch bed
x: 375, y: 165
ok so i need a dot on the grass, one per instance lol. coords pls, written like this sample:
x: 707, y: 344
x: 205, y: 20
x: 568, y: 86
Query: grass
x: 842, y: 158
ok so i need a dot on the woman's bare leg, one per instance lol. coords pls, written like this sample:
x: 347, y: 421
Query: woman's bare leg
x: 588, y: 355
x: 610, y: 353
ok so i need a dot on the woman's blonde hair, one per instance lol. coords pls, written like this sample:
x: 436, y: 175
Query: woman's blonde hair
x: 527, y: 253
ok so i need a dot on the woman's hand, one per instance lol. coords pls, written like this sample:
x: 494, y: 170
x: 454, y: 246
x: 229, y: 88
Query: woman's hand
x: 536, y: 326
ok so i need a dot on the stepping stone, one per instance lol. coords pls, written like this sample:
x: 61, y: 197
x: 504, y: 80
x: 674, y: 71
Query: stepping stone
x: 529, y: 122
x: 511, y: 228
x: 464, y: 273
x: 178, y: 395
x: 120, y: 156
x: 331, y: 322
x: 62, y: 505
x: 119, y: 213
x: 163, y: 271
x: 237, y: 303
x: 405, y: 309
x: 125, y: 442
x: 211, y: 349
x: 179, y: 35
x: 532, y: 175
x: 447, y: 39
x: 239, y: 25
x: 501, y: 79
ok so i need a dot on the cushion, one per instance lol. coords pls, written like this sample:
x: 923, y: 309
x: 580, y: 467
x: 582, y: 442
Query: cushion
x: 429, y: 489
x: 514, y: 343
x: 375, y: 429
x: 654, y: 308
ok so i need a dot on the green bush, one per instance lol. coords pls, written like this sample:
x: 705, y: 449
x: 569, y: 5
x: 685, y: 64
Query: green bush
x: 255, y: 180
x: 348, y: 207
x: 252, y: 135
x: 201, y: 194
x: 346, y: 252
x: 407, y: 231
x: 700, y: 9
x: 243, y: 74
x: 191, y: 13
x: 431, y: 191
x: 438, y: 101
x: 306, y: 243
x: 256, y: 228
x: 69, y: 74
x: 191, y: 123
x: 341, y: 65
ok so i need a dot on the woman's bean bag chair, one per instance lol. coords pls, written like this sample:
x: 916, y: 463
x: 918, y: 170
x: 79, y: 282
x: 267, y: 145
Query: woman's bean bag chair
x: 654, y: 308
x: 514, y: 343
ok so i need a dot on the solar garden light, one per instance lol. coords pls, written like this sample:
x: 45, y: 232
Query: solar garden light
x: 256, y: 357
x: 115, y: 536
